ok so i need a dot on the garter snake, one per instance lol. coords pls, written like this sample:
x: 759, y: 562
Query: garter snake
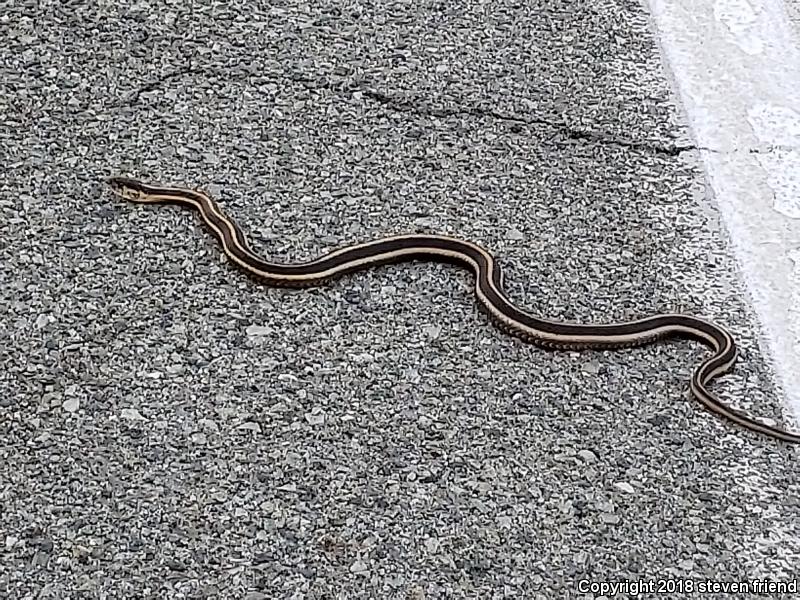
x: 488, y: 289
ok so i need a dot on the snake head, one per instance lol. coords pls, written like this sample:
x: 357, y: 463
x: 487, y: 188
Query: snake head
x: 128, y: 188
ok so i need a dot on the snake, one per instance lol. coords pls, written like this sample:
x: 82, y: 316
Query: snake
x: 489, y: 291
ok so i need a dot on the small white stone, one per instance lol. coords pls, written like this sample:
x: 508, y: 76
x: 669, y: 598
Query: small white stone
x: 359, y: 567
x: 257, y: 330
x: 625, y: 487
x: 132, y: 414
x: 71, y: 405
x: 315, y: 418
x: 605, y: 506
x: 250, y: 426
x: 609, y: 518
x: 220, y: 496
x: 587, y: 455
x: 432, y: 331
x: 592, y: 367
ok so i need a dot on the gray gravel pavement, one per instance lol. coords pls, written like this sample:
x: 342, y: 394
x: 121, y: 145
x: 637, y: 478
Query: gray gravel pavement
x: 171, y: 429
x: 793, y: 11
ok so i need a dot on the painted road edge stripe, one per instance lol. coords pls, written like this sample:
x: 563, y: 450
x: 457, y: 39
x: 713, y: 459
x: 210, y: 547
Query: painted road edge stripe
x: 736, y: 68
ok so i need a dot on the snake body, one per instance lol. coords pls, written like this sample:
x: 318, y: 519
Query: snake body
x: 488, y: 289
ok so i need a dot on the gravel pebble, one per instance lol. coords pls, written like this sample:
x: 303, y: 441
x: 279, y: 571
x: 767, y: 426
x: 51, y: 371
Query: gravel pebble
x: 625, y: 487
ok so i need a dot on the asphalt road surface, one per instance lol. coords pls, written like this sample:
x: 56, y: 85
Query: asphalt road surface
x: 171, y: 429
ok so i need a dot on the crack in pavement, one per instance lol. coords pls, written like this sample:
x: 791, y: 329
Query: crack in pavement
x: 419, y: 108
x: 152, y: 86
x: 568, y: 132
x: 571, y: 133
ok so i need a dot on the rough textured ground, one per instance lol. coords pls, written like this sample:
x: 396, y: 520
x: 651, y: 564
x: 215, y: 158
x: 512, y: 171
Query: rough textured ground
x: 793, y: 11
x: 171, y: 429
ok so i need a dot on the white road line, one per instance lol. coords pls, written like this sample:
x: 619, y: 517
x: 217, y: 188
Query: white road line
x: 736, y: 66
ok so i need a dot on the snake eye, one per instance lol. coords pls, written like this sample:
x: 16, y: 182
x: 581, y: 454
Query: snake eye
x: 126, y: 188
